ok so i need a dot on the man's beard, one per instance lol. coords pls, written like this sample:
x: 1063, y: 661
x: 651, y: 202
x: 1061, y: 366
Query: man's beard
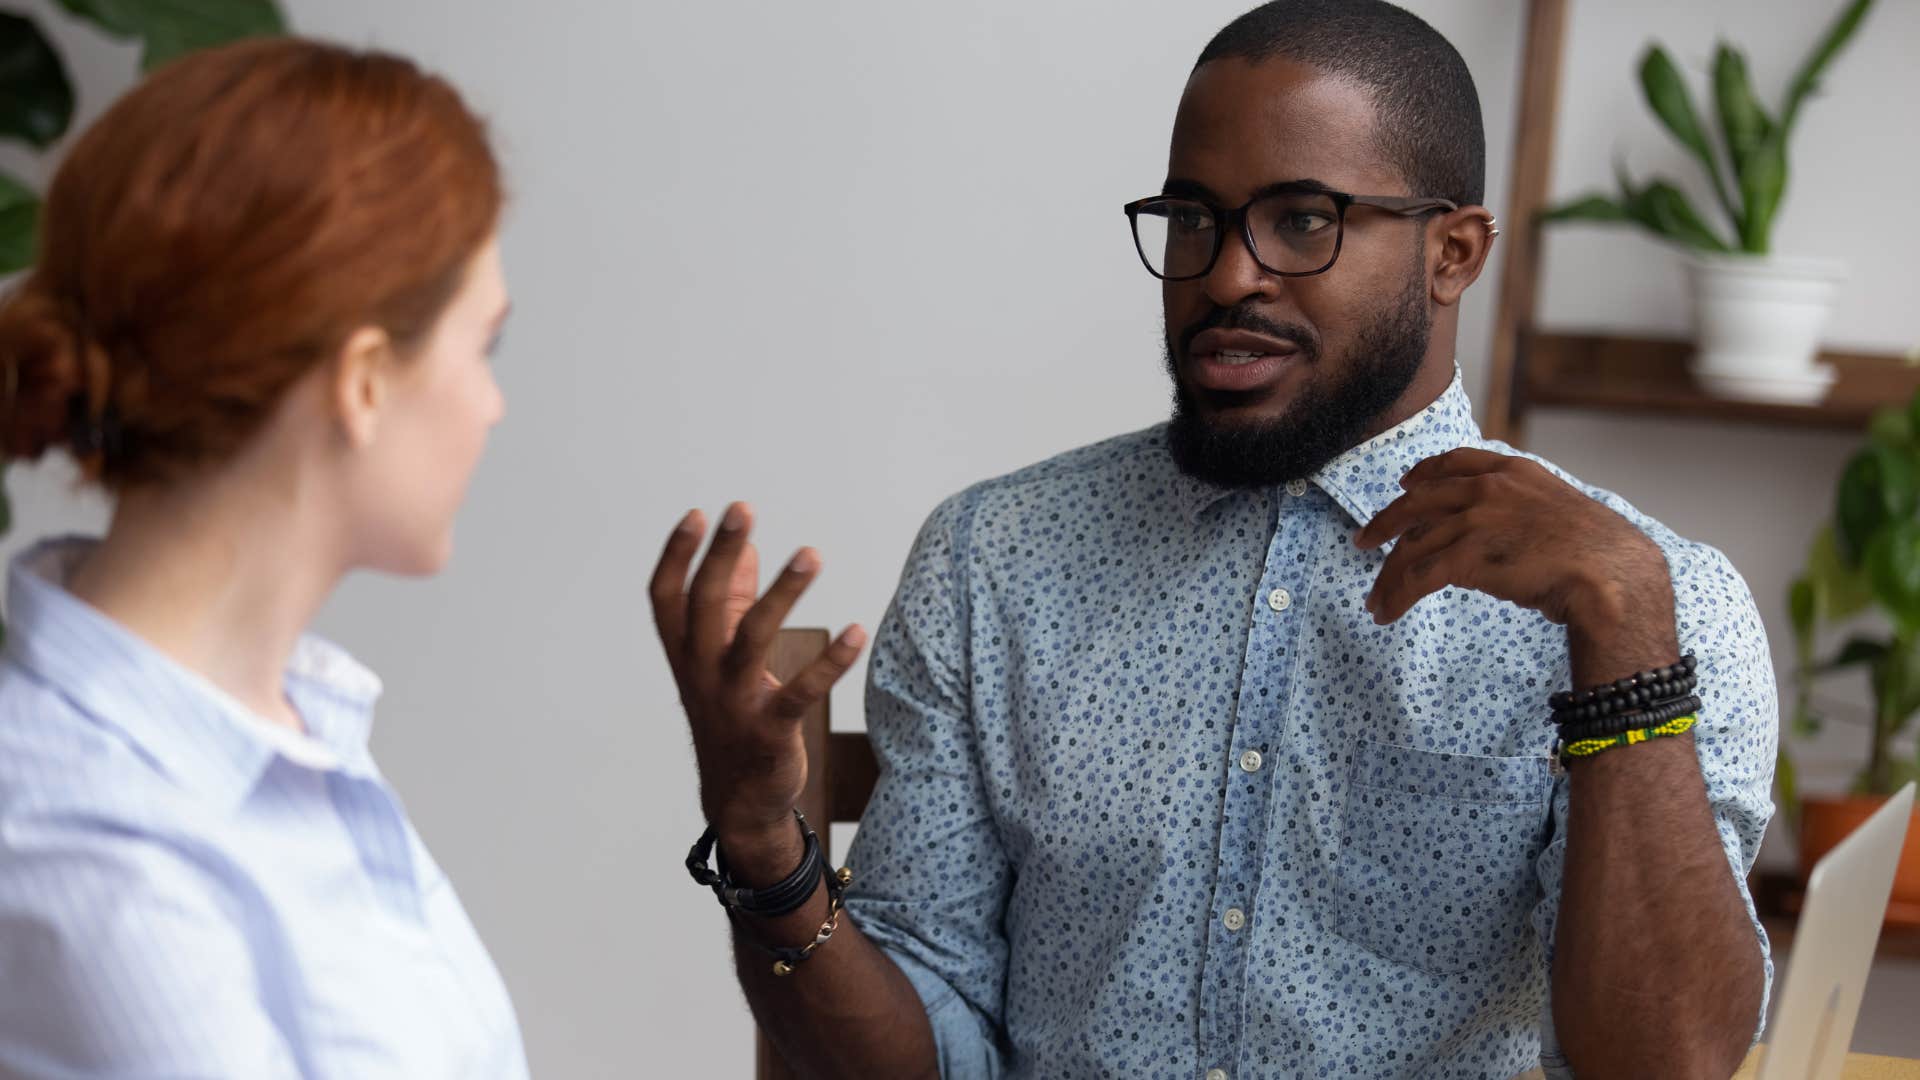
x: 1333, y: 412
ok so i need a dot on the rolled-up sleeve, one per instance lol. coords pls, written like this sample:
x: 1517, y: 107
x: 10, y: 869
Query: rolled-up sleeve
x: 1736, y: 738
x: 931, y: 878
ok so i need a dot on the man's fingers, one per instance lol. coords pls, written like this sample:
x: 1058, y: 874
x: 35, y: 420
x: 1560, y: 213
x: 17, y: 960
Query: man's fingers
x: 1429, y: 503
x: 742, y: 587
x: 1416, y: 569
x: 817, y: 678
x: 668, y: 588
x: 708, y: 625
x: 1466, y: 461
x: 761, y: 625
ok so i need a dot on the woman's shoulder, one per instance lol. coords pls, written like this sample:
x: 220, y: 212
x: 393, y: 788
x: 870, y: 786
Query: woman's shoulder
x: 56, y: 760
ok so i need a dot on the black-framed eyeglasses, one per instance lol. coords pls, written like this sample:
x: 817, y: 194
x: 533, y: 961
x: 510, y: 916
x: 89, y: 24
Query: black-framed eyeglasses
x: 1293, y: 230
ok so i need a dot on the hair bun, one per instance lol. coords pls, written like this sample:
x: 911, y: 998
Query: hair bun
x: 42, y: 372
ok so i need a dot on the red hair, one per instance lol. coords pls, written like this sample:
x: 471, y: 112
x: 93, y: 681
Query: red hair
x: 219, y: 233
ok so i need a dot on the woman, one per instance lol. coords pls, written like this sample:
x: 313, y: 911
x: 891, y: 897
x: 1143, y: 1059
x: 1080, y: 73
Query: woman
x: 268, y: 289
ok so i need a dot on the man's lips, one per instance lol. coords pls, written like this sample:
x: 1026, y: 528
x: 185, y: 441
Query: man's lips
x: 1238, y: 360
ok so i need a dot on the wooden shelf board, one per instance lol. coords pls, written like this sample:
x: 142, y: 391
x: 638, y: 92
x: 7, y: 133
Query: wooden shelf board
x: 1649, y: 376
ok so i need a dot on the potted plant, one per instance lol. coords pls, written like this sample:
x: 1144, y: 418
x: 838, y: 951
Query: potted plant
x: 1863, y: 570
x: 36, y: 96
x: 1757, y: 315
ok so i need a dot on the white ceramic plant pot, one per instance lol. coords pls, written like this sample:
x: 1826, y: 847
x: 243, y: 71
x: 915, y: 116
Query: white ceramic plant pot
x: 1757, y: 324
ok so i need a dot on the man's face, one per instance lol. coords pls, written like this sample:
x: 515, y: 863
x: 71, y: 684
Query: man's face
x: 1332, y: 353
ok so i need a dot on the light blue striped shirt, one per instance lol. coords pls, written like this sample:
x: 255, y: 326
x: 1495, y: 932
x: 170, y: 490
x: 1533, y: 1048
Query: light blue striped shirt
x: 187, y: 890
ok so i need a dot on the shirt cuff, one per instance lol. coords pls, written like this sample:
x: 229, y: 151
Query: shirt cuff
x: 965, y: 1048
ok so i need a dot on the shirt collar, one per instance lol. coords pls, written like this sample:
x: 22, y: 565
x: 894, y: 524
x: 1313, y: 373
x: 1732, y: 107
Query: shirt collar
x: 196, y: 733
x: 1365, y: 479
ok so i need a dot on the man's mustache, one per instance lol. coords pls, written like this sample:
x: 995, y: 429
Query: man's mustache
x: 1244, y: 317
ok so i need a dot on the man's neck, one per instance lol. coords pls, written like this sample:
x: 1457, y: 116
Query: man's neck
x: 1432, y: 380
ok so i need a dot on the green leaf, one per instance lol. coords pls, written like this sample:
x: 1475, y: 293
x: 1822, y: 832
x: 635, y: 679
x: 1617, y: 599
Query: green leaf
x: 1855, y: 652
x: 1665, y: 211
x: 1840, y: 590
x: 1789, y: 784
x: 1893, y: 566
x: 1671, y: 213
x: 1876, y: 488
x: 1802, y: 607
x: 19, y: 224
x: 1672, y: 102
x: 1743, y: 121
x: 1588, y: 208
x: 36, y: 100
x: 1891, y: 427
x: 173, y: 28
x: 1763, y: 184
x: 1807, y: 79
x: 1899, y: 773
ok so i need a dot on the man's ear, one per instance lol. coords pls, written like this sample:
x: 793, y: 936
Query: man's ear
x: 362, y: 383
x: 1466, y: 238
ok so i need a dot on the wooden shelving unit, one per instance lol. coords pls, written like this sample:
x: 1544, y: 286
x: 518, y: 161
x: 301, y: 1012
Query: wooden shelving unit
x: 1530, y: 367
x: 1648, y: 376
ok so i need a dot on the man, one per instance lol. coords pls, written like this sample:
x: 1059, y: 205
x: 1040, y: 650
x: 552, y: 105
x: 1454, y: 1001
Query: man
x: 1218, y: 750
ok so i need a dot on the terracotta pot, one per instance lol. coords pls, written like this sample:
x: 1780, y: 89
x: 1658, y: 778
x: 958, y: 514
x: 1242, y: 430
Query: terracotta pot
x: 1824, y: 822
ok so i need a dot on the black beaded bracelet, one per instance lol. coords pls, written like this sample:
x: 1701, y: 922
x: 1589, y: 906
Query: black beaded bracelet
x: 1683, y: 668
x: 772, y: 901
x: 1633, y: 694
x: 1620, y: 725
x: 1640, y: 697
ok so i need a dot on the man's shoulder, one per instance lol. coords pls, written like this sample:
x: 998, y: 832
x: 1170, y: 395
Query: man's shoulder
x: 1685, y: 556
x: 1136, y: 463
x: 1137, y: 455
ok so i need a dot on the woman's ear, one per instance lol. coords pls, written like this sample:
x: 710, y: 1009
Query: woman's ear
x: 363, y: 373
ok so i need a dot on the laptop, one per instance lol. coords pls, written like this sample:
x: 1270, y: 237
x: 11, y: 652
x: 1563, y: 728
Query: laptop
x: 1833, y: 948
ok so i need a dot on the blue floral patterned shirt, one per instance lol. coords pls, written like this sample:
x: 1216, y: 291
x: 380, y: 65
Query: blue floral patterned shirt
x: 1158, y: 798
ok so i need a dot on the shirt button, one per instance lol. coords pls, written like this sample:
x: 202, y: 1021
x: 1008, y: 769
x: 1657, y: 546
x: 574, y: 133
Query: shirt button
x: 1296, y: 488
x: 1250, y: 761
x: 1216, y: 1074
x: 1279, y: 599
x: 1234, y: 918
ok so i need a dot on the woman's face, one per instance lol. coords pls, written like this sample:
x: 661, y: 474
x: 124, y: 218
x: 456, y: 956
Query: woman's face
x: 412, y: 477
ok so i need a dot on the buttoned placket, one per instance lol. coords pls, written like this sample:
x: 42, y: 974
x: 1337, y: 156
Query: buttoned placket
x: 1256, y: 733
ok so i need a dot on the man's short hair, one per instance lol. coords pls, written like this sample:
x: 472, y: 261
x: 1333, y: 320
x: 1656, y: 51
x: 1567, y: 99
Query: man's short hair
x: 1427, y: 113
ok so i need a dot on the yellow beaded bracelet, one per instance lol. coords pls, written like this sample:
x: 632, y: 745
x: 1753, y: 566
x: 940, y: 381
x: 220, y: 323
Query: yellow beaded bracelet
x: 1590, y: 747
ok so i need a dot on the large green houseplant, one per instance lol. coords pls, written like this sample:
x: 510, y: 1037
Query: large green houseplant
x: 1863, y: 573
x: 37, y: 96
x: 1758, y: 315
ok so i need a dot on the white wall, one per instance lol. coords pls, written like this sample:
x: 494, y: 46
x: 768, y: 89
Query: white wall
x: 842, y: 259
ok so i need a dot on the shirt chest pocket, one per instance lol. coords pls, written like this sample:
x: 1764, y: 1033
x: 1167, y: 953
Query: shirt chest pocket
x: 1436, y: 862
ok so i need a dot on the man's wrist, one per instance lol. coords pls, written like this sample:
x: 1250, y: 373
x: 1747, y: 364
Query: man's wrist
x: 763, y: 856
x: 1622, y: 625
